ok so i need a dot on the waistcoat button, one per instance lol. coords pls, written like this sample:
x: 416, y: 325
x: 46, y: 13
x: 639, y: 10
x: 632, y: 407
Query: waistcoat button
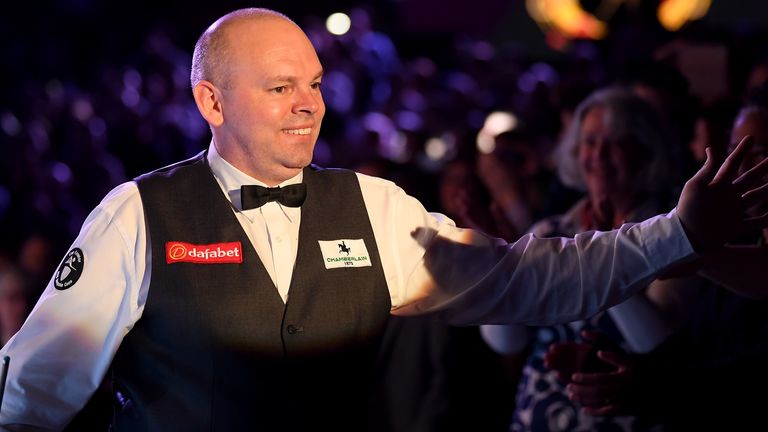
x: 292, y: 329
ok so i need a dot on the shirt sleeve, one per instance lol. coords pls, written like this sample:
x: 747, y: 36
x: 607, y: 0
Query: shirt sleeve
x: 465, y: 277
x: 62, y: 352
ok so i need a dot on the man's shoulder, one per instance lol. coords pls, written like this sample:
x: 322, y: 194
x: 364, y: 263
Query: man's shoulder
x: 366, y: 182
x: 379, y: 184
x: 174, y: 168
x: 123, y: 199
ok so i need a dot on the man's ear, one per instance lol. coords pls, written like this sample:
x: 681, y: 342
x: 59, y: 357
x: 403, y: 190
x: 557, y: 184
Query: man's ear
x: 208, y: 100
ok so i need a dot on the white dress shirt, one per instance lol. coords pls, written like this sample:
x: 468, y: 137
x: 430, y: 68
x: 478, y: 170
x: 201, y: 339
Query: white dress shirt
x: 62, y: 352
x: 272, y: 228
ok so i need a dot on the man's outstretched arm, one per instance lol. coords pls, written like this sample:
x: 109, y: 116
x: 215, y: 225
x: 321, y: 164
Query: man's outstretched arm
x: 468, y: 278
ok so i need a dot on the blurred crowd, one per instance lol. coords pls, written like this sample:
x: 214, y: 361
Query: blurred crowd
x: 424, y: 121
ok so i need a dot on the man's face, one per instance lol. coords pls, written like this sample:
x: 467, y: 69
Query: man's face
x: 272, y: 106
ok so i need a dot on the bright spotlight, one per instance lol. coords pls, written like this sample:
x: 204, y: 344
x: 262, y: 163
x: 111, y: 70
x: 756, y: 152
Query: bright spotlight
x: 499, y: 122
x: 436, y: 148
x: 495, y: 124
x: 338, y: 23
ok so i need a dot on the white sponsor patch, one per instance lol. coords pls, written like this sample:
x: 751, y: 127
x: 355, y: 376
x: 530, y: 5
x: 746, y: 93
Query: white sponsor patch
x: 70, y: 269
x: 344, y: 253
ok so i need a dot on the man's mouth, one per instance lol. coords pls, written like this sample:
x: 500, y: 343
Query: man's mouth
x: 302, y: 131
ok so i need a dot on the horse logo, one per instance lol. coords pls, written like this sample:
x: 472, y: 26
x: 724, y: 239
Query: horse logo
x: 343, y: 248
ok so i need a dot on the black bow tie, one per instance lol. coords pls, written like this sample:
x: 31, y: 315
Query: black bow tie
x: 253, y: 196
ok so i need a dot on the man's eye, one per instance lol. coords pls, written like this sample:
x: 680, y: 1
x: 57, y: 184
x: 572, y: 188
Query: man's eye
x: 279, y: 90
x: 316, y: 86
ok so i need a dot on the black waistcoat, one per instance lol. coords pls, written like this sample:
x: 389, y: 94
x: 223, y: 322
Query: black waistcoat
x: 217, y: 349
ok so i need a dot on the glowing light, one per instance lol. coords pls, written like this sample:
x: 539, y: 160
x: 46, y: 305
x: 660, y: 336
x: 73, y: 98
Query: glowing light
x: 701, y: 9
x: 396, y: 147
x: 563, y: 20
x: 673, y: 14
x: 566, y: 17
x: 338, y: 23
x: 499, y: 122
x: 130, y: 97
x: 61, y: 172
x: 10, y: 124
x: 132, y: 78
x: 97, y: 126
x: 486, y: 142
x: 436, y: 148
x: 496, y: 124
x: 408, y: 120
x: 82, y: 109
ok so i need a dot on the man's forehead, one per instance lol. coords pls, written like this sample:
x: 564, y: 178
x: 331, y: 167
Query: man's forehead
x: 258, y: 26
x: 278, y: 63
x: 268, y: 36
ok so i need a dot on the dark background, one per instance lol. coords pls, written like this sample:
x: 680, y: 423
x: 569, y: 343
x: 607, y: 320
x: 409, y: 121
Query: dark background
x: 96, y: 92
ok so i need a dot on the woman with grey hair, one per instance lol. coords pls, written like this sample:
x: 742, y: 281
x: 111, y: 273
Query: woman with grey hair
x: 616, y: 151
x: 630, y: 128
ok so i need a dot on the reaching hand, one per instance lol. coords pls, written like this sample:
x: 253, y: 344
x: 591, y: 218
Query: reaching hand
x: 713, y: 204
x: 604, y: 393
x: 567, y: 358
x: 599, y: 393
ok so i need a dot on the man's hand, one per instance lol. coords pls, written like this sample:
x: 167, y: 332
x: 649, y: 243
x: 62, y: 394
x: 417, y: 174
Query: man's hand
x: 712, y: 207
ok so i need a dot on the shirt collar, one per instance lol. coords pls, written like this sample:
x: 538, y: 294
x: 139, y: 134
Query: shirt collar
x: 230, y: 178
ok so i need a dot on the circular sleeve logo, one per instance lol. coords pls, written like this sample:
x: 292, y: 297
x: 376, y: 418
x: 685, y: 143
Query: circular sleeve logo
x: 177, y: 252
x: 70, y: 269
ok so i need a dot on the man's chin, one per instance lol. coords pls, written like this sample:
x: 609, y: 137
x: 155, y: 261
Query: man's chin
x: 297, y: 165
x: 304, y: 160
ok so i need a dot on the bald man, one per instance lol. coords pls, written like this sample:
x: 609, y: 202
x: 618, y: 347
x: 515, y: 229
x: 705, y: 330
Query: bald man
x: 245, y: 289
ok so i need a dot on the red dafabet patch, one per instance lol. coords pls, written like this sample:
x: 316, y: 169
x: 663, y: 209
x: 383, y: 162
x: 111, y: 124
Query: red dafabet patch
x: 216, y: 253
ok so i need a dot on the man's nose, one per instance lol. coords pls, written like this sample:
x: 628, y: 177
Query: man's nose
x: 307, y: 101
